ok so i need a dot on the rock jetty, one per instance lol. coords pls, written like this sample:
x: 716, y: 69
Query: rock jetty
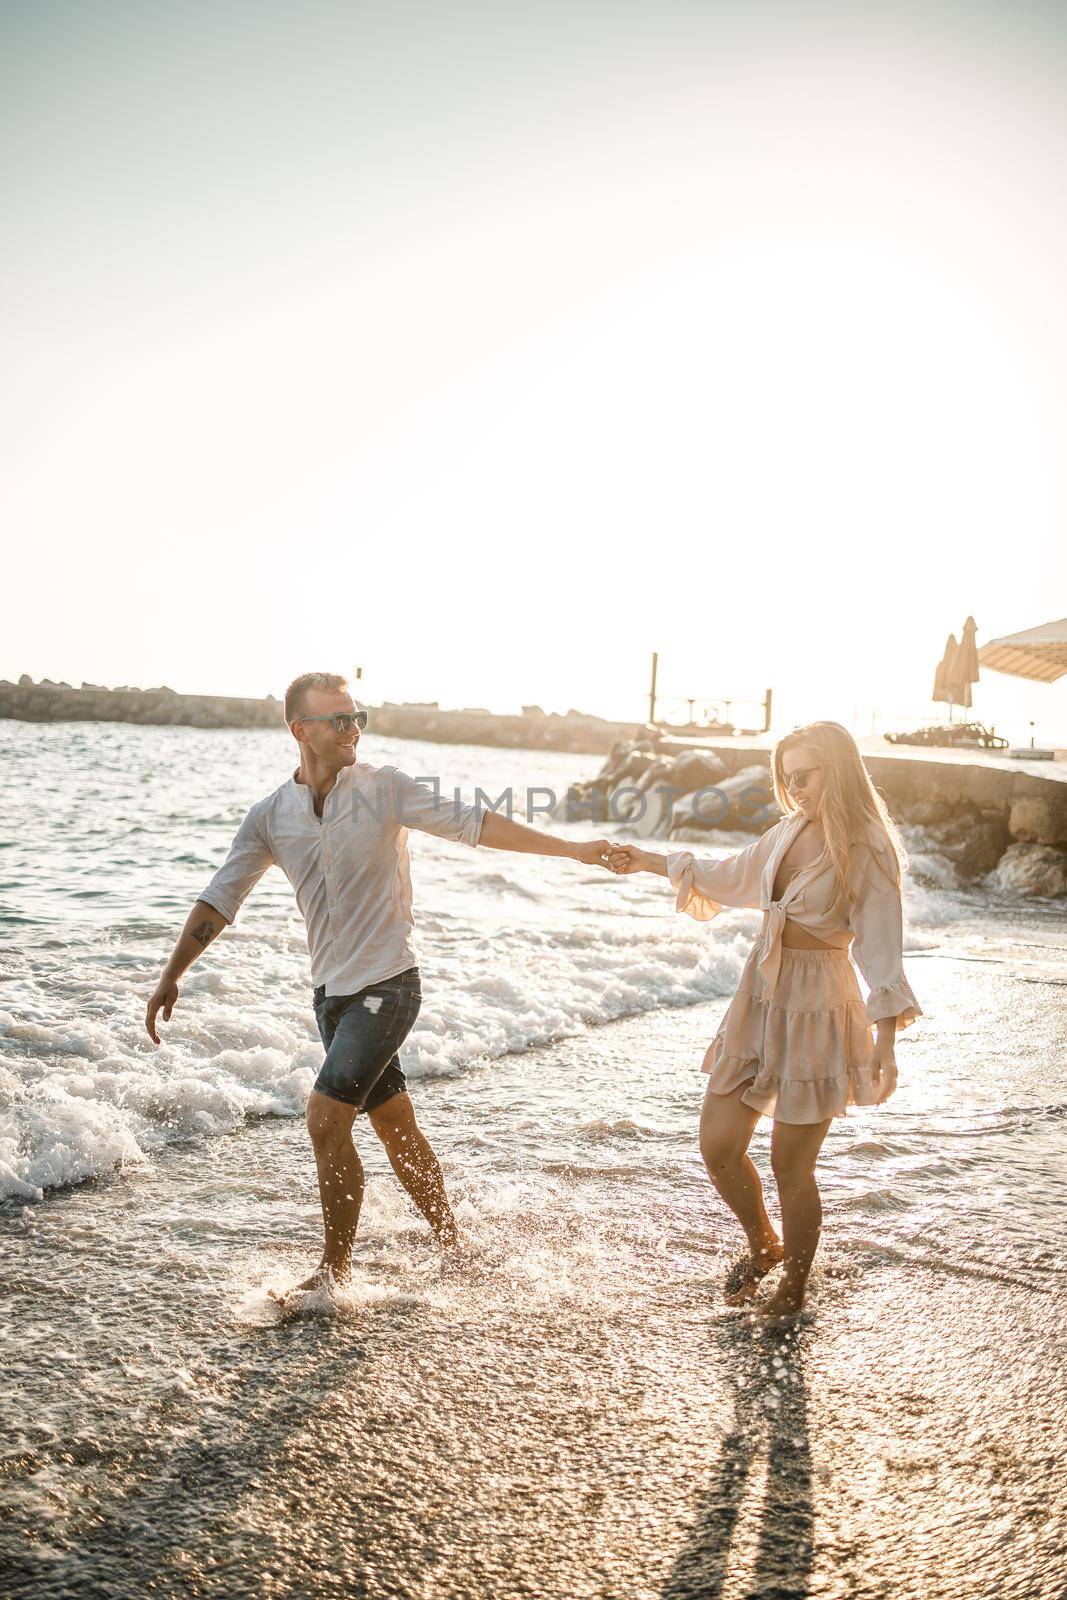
x: 964, y: 823
x: 534, y: 729
x: 46, y: 701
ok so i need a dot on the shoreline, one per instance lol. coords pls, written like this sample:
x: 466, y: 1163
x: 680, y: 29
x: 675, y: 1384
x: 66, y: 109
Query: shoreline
x: 585, y: 1327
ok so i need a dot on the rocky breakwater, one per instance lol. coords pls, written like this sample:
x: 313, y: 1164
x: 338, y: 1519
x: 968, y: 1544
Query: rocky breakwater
x: 533, y: 729
x: 992, y: 825
x: 660, y: 790
x: 46, y: 701
x: 964, y: 824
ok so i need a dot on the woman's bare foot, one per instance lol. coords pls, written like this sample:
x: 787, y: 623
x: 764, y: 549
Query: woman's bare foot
x: 323, y: 1274
x: 785, y: 1303
x: 746, y: 1273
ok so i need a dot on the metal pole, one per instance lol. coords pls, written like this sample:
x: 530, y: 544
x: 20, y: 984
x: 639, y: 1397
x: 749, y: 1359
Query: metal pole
x: 652, y: 689
x: 767, y: 712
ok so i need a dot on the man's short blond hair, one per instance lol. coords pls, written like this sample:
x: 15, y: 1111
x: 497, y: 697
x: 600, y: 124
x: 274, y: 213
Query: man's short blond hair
x: 296, y: 694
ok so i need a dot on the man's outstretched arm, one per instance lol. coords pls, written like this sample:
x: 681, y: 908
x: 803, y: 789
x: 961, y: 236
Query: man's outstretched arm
x: 418, y: 804
x: 249, y: 857
x: 202, y: 925
x: 501, y: 833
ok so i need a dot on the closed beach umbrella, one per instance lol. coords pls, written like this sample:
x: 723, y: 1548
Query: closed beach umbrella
x: 961, y: 691
x: 967, y: 661
x: 966, y: 664
x: 1038, y: 653
x: 943, y: 677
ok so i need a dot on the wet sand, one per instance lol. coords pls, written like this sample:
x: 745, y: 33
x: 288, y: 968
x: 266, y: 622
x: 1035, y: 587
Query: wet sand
x: 571, y: 1411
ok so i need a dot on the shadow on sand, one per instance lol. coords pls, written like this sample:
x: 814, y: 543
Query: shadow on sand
x: 168, y: 1523
x: 769, y: 1428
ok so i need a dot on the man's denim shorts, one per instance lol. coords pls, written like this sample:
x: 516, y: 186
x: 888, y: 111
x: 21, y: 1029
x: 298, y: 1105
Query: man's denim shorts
x: 362, y: 1034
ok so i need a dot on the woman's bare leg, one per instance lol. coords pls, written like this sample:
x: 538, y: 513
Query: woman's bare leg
x: 726, y: 1128
x: 794, y: 1152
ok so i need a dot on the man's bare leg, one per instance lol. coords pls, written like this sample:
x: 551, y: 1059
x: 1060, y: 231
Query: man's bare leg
x: 340, y: 1171
x: 726, y: 1128
x: 412, y: 1159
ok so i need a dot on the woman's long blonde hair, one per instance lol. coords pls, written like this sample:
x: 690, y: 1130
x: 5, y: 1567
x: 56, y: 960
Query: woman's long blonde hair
x: 849, y: 803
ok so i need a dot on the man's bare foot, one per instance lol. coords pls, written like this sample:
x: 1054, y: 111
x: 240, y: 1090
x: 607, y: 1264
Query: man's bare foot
x: 323, y: 1274
x: 746, y: 1273
x: 458, y: 1253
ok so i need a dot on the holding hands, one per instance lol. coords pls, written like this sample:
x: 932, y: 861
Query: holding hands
x: 622, y: 859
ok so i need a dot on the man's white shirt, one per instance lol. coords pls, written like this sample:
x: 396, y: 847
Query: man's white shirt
x: 350, y: 869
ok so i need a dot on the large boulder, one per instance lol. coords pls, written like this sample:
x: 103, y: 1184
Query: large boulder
x: 973, y: 841
x: 624, y: 804
x: 696, y: 769
x: 1040, y: 820
x: 636, y: 797
x: 750, y: 802
x: 636, y: 764
x: 583, y: 802
x: 625, y: 763
x: 699, y: 812
x: 926, y: 813
x: 1031, y: 869
x: 744, y: 801
x: 929, y: 867
x: 654, y: 820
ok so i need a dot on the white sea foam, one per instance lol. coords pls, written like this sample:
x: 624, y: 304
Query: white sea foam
x: 52, y: 1142
x: 80, y: 1096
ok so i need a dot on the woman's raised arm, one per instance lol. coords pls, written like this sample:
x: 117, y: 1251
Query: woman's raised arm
x: 703, y: 887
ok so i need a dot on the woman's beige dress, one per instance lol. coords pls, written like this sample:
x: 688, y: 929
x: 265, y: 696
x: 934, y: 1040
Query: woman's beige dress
x: 798, y: 1030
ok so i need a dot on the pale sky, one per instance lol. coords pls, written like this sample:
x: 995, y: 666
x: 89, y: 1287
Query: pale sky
x: 493, y: 346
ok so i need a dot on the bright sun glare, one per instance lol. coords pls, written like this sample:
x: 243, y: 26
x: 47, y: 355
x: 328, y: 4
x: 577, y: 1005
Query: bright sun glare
x: 493, y: 366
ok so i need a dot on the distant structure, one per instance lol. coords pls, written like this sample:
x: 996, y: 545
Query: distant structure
x: 705, y: 713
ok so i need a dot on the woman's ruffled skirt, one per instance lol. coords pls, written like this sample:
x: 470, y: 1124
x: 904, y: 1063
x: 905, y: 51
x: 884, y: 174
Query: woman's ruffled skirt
x: 805, y: 1048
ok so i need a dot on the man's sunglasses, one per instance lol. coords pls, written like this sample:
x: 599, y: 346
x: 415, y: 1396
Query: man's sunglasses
x: 799, y: 778
x: 342, y: 721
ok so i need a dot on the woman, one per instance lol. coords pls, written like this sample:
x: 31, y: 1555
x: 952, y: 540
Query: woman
x: 795, y: 1043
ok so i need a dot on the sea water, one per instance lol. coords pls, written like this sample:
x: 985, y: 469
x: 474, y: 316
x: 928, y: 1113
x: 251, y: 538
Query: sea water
x: 568, y: 1409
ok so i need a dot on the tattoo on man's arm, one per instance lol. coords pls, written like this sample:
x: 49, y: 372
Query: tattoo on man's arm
x: 204, y: 934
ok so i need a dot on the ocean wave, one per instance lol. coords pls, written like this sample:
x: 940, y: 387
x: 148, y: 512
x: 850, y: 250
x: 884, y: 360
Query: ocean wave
x: 82, y: 1096
x: 517, y: 953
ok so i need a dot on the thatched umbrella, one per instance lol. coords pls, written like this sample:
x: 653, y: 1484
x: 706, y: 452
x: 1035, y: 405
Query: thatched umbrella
x: 1039, y: 653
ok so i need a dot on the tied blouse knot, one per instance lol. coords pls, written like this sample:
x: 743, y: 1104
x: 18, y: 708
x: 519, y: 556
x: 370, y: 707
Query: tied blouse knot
x: 769, y: 964
x: 872, y: 914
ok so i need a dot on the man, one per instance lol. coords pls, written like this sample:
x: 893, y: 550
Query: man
x: 338, y: 830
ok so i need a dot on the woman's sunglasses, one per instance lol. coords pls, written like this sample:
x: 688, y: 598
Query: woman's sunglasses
x: 342, y: 721
x: 799, y: 778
